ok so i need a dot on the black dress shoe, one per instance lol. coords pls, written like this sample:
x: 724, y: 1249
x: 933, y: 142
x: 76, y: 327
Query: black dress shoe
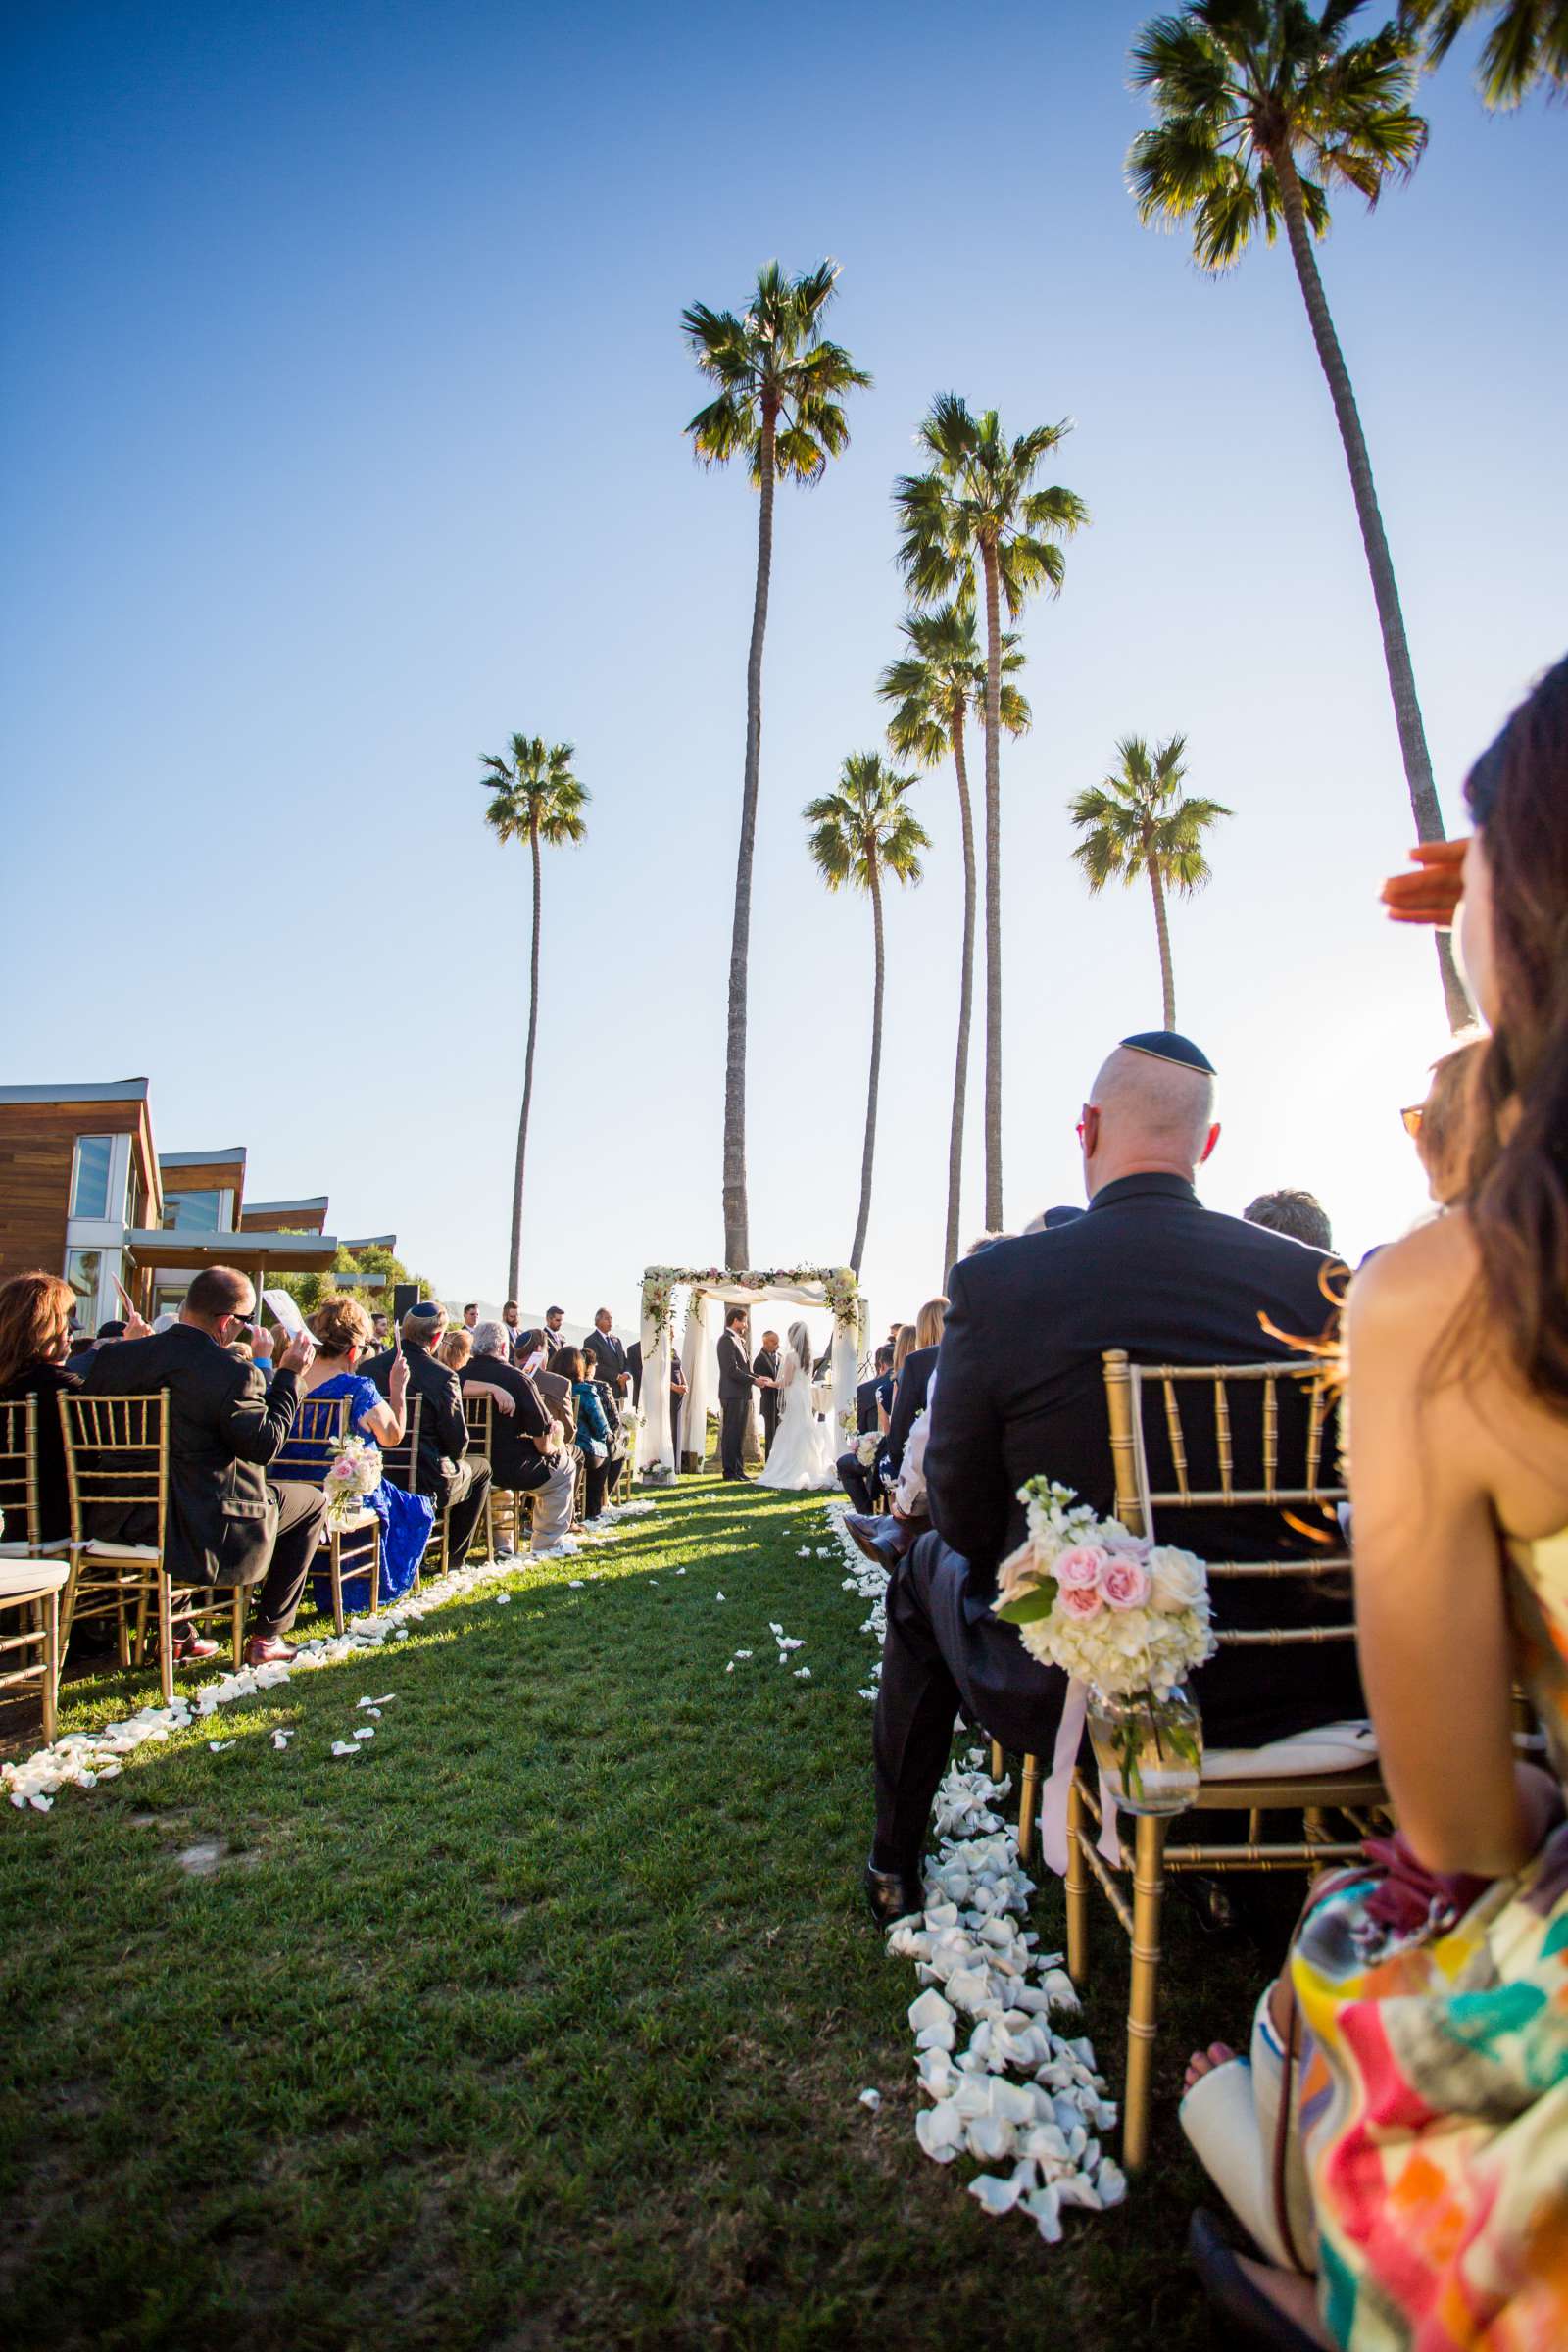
x: 868, y: 1537
x: 892, y: 1895
x: 1211, y: 1902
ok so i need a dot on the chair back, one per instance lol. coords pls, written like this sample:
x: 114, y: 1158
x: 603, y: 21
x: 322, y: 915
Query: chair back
x: 117, y: 1458
x: 1233, y: 1414
x: 308, y: 1456
x: 399, y: 1463
x: 19, y: 1471
x: 479, y: 1414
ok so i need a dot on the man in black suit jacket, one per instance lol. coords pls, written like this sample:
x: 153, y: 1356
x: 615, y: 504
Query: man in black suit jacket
x: 634, y: 1365
x: 736, y: 1381
x: 870, y: 1397
x: 227, y: 1524
x: 764, y: 1363
x: 522, y: 1460
x: 457, y: 1486
x: 1021, y: 1393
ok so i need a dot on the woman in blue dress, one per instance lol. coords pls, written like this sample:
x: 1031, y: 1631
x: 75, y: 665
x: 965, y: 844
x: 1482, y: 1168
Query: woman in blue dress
x: 342, y: 1332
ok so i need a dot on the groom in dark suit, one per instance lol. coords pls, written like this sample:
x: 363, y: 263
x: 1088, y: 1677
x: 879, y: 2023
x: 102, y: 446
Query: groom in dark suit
x: 1020, y: 1392
x: 736, y: 1381
x: 764, y: 1363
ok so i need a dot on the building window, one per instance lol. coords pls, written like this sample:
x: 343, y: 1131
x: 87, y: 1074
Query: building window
x: 89, y: 1183
x: 196, y: 1212
x: 84, y: 1269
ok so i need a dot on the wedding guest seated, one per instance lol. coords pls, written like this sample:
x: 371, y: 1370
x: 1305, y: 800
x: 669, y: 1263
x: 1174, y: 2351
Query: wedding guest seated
x: 84, y: 1349
x: 34, y: 1346
x: 341, y: 1330
x: 882, y: 1539
x: 1442, y: 1127
x: 528, y: 1450
x: 1020, y: 1392
x: 456, y: 1486
x: 1424, y: 2177
x: 455, y: 1349
x: 1300, y: 1215
x: 871, y: 1399
x: 594, y: 1437
x: 227, y: 1523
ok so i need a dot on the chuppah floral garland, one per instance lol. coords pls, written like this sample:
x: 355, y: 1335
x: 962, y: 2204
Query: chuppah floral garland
x: 839, y: 1288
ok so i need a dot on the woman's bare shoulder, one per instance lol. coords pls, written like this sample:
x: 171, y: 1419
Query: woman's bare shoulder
x: 1414, y: 1286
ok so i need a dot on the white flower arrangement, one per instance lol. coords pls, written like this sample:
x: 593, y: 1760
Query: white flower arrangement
x: 866, y: 1448
x: 1123, y: 1615
x: 355, y: 1472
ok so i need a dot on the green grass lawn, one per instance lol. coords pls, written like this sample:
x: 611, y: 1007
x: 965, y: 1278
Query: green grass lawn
x: 545, y: 2020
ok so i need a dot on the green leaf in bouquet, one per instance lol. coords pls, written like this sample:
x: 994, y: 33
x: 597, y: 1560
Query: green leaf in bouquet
x: 1031, y: 1606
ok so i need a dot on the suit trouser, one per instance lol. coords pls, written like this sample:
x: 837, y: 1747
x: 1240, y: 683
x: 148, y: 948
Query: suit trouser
x: 301, y: 1516
x: 733, y: 1414
x: 554, y: 1495
x: 856, y: 1486
x: 462, y: 1496
x: 946, y: 1654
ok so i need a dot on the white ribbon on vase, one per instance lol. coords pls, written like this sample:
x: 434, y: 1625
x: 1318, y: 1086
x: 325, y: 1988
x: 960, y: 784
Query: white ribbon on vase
x: 1059, y: 1788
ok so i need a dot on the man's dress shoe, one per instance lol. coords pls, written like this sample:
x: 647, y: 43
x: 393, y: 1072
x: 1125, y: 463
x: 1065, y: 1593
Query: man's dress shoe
x: 892, y: 1895
x: 870, y: 1537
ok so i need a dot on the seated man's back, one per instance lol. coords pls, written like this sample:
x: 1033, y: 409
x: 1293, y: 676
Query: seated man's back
x: 1021, y: 1393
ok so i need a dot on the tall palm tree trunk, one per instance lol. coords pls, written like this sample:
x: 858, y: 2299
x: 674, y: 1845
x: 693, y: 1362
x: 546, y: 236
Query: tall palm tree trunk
x: 736, y: 1214
x: 993, y: 1109
x: 515, y: 1266
x: 873, y: 1085
x: 960, y: 1074
x: 1167, y: 977
x: 1418, y: 778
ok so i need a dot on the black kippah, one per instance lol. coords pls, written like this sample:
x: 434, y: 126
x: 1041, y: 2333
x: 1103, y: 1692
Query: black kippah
x: 1169, y: 1044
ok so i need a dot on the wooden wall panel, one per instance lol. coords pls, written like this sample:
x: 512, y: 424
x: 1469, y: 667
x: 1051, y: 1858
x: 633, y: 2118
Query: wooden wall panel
x: 38, y: 1143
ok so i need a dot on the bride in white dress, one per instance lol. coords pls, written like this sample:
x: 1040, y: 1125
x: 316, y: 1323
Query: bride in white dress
x: 803, y: 1457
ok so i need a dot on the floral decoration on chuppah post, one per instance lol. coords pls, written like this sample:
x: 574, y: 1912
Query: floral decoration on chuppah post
x: 1126, y: 1619
x: 834, y: 1287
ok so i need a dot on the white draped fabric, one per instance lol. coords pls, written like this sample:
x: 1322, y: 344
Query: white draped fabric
x: 699, y: 1360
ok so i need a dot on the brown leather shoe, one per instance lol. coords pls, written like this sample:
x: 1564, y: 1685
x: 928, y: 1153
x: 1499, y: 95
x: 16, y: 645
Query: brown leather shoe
x: 193, y: 1649
x: 268, y: 1650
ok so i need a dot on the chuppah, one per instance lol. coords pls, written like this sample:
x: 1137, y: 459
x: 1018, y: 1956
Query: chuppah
x: 705, y: 1292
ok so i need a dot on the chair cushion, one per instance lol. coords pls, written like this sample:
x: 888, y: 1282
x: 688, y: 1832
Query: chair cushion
x: 102, y: 1549
x: 349, y: 1526
x: 19, y: 1549
x: 24, y: 1580
x: 1326, y: 1747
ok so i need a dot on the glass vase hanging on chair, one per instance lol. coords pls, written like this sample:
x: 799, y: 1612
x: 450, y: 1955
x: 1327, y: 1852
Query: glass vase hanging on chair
x: 1150, y: 1750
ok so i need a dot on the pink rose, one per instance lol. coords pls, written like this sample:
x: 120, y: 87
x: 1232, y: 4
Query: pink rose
x: 1079, y: 1601
x: 1079, y: 1570
x: 1125, y: 1584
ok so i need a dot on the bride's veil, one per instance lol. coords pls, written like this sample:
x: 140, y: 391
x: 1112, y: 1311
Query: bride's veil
x: 800, y: 1339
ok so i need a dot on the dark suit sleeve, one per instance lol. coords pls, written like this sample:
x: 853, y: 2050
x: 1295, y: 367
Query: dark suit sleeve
x: 906, y: 1402
x: 257, y: 1419
x: 443, y: 1410
x: 965, y: 1469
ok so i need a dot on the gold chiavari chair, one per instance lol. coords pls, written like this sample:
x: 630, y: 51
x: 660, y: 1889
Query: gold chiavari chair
x: 116, y: 1472
x: 479, y: 1412
x: 32, y: 1573
x: 1353, y: 1796
x: 354, y: 1548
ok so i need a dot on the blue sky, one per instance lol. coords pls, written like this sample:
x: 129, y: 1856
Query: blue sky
x: 342, y: 404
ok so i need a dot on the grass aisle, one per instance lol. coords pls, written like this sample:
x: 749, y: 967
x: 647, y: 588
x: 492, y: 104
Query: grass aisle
x: 544, y: 2020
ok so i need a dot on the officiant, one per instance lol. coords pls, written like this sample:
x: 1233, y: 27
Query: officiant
x: 765, y: 1364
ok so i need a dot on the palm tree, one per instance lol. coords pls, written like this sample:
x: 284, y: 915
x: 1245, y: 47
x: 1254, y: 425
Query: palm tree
x: 1137, y: 822
x: 1263, y: 107
x: 777, y: 384
x: 1527, y: 42
x: 934, y: 687
x: 863, y: 834
x: 976, y: 523
x: 534, y: 797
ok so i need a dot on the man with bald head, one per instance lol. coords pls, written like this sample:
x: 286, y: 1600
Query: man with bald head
x: 1020, y: 1392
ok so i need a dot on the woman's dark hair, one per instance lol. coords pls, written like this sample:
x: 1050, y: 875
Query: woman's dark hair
x: 36, y: 1312
x: 568, y: 1364
x: 1518, y: 1182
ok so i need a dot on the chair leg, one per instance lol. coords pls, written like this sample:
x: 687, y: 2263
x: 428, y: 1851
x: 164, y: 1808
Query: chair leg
x: 1148, y: 1886
x: 166, y: 1639
x: 50, y: 1609
x: 1077, y: 1888
x: 374, y: 1609
x: 236, y: 1622
x: 999, y: 1760
x: 334, y: 1577
x: 1029, y: 1788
